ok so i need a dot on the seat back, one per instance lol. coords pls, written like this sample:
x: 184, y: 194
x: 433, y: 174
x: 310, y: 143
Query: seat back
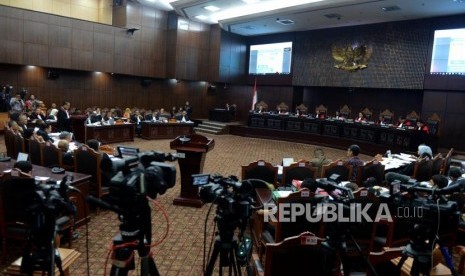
x: 437, y: 163
x: 10, y: 143
x: 35, y: 153
x: 446, y: 162
x: 364, y: 232
x: 260, y: 170
x: 337, y: 167
x: 299, y: 171
x: 345, y: 111
x: 301, y: 224
x: 296, y: 255
x: 387, y: 116
x: 433, y: 123
x: 367, y: 113
x: 323, y: 110
x: 303, y: 108
x: 262, y: 104
x: 51, y: 155
x: 283, y: 107
x: 413, y: 117
x: 87, y: 161
x: 423, y: 170
x: 19, y: 145
x: 372, y: 168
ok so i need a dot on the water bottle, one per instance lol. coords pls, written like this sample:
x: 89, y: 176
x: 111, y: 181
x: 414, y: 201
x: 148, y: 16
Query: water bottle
x: 388, y: 153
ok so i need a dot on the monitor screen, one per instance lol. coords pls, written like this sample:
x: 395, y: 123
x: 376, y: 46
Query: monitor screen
x: 448, y: 55
x: 22, y: 156
x: 124, y: 152
x: 200, y: 179
x: 274, y: 58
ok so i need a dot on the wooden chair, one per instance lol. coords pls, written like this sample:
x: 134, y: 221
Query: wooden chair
x: 297, y: 256
x: 88, y: 161
x: 19, y: 145
x: 413, y: 117
x: 337, y: 167
x: 283, y: 107
x: 345, y: 111
x: 446, y: 162
x: 9, y: 142
x: 263, y: 105
x: 433, y: 123
x: 423, y: 170
x: 35, y: 152
x: 261, y: 170
x: 110, y: 150
x: 437, y: 163
x: 387, y: 116
x: 303, y: 108
x: 372, y: 168
x: 299, y: 171
x: 364, y: 233
x: 367, y: 113
x: 384, y: 256
x: 323, y: 110
x: 51, y: 155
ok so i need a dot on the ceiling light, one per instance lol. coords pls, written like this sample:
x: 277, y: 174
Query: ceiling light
x: 259, y: 7
x: 212, y: 8
x: 201, y: 17
x: 153, y: 1
x: 250, y: 1
x: 391, y: 8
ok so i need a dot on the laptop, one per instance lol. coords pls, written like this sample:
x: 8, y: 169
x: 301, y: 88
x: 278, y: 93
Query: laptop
x: 22, y: 156
x: 124, y: 152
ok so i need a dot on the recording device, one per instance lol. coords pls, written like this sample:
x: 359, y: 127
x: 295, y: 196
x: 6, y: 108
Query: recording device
x: 234, y: 202
x: 50, y: 203
x: 330, y: 186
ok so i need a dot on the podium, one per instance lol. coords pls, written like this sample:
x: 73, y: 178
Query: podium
x: 193, y: 147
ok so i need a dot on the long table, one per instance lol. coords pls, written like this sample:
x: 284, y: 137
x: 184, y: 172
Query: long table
x: 337, y: 131
x: 221, y: 115
x: 80, y: 181
x: 109, y: 134
x: 155, y: 130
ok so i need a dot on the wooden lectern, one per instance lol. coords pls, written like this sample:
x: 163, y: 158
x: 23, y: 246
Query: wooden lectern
x: 194, y: 147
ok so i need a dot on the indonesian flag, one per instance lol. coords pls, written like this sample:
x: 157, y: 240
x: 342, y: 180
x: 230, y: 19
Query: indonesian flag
x: 254, y: 98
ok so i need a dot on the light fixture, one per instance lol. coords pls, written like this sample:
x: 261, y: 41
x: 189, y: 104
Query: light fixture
x: 211, y: 8
x: 201, y: 17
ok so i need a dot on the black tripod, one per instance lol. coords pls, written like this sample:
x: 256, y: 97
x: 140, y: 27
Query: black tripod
x: 226, y: 246
x: 135, y: 234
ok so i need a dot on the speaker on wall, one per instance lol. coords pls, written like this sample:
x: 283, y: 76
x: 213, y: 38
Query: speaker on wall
x: 53, y: 75
x: 145, y: 82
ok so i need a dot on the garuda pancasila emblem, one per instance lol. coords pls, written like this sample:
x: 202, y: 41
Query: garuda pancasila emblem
x: 352, y: 58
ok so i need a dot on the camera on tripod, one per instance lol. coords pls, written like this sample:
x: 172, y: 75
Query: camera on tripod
x: 50, y: 205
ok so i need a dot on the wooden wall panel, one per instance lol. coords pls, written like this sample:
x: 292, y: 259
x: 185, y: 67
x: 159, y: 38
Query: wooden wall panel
x: 103, y: 42
x: 12, y: 29
x: 11, y: 52
x: 35, y: 32
x: 36, y: 54
x: 59, y: 57
x: 59, y: 36
x: 82, y: 40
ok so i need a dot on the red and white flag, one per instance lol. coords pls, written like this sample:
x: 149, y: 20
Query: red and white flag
x: 254, y: 98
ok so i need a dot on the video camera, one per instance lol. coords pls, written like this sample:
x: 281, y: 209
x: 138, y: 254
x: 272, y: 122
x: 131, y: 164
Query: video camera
x: 150, y: 177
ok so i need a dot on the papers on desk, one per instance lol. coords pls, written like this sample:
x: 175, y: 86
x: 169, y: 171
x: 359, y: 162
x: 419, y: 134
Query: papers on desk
x: 397, y: 161
x: 279, y: 194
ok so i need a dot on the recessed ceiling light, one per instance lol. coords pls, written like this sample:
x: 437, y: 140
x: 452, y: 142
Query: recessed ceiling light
x: 201, y: 17
x: 153, y: 1
x: 212, y: 8
x: 250, y: 1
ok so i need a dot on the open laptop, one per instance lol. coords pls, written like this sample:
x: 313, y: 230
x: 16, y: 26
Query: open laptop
x: 22, y: 156
x: 124, y: 152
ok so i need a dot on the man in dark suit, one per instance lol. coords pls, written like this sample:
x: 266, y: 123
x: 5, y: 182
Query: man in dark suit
x: 136, y: 118
x: 63, y: 121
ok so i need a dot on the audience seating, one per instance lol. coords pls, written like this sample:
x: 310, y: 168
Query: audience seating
x: 35, y: 152
x: 446, y: 162
x: 423, y: 170
x: 261, y: 170
x: 298, y: 255
x: 298, y: 171
x: 343, y: 169
x: 437, y: 163
x: 19, y: 145
x: 51, y: 155
x: 372, y: 168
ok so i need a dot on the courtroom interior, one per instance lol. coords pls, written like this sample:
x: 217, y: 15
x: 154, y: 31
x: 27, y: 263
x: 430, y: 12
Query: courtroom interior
x: 146, y: 136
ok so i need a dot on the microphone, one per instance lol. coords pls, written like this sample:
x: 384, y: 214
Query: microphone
x: 456, y: 187
x: 103, y: 204
x: 417, y: 188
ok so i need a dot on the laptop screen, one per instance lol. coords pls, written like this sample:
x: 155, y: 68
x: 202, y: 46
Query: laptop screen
x: 22, y: 156
x: 127, y: 151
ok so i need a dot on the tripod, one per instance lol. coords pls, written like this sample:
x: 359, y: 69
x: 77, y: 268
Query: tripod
x: 421, y: 253
x: 135, y: 234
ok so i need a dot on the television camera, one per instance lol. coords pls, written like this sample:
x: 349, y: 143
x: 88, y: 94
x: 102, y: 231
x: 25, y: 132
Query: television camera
x: 50, y: 207
x: 432, y: 219
x: 130, y: 188
x: 234, y: 200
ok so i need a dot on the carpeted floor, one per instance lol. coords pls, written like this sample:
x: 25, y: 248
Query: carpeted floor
x: 181, y: 253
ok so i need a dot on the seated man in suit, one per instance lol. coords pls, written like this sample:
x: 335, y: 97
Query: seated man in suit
x: 183, y: 118
x: 421, y: 126
x: 136, y: 118
x: 403, y: 173
x: 353, y: 152
x: 38, y: 114
x: 44, y: 130
x: 67, y: 155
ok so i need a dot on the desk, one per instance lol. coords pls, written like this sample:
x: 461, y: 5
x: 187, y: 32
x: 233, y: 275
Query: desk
x: 154, y: 130
x: 80, y: 181
x: 397, y: 161
x: 110, y: 134
x: 68, y: 257
x: 221, y: 115
x: 334, y: 131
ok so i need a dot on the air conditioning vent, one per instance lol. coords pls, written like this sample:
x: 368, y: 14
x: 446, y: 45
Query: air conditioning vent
x: 285, y: 21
